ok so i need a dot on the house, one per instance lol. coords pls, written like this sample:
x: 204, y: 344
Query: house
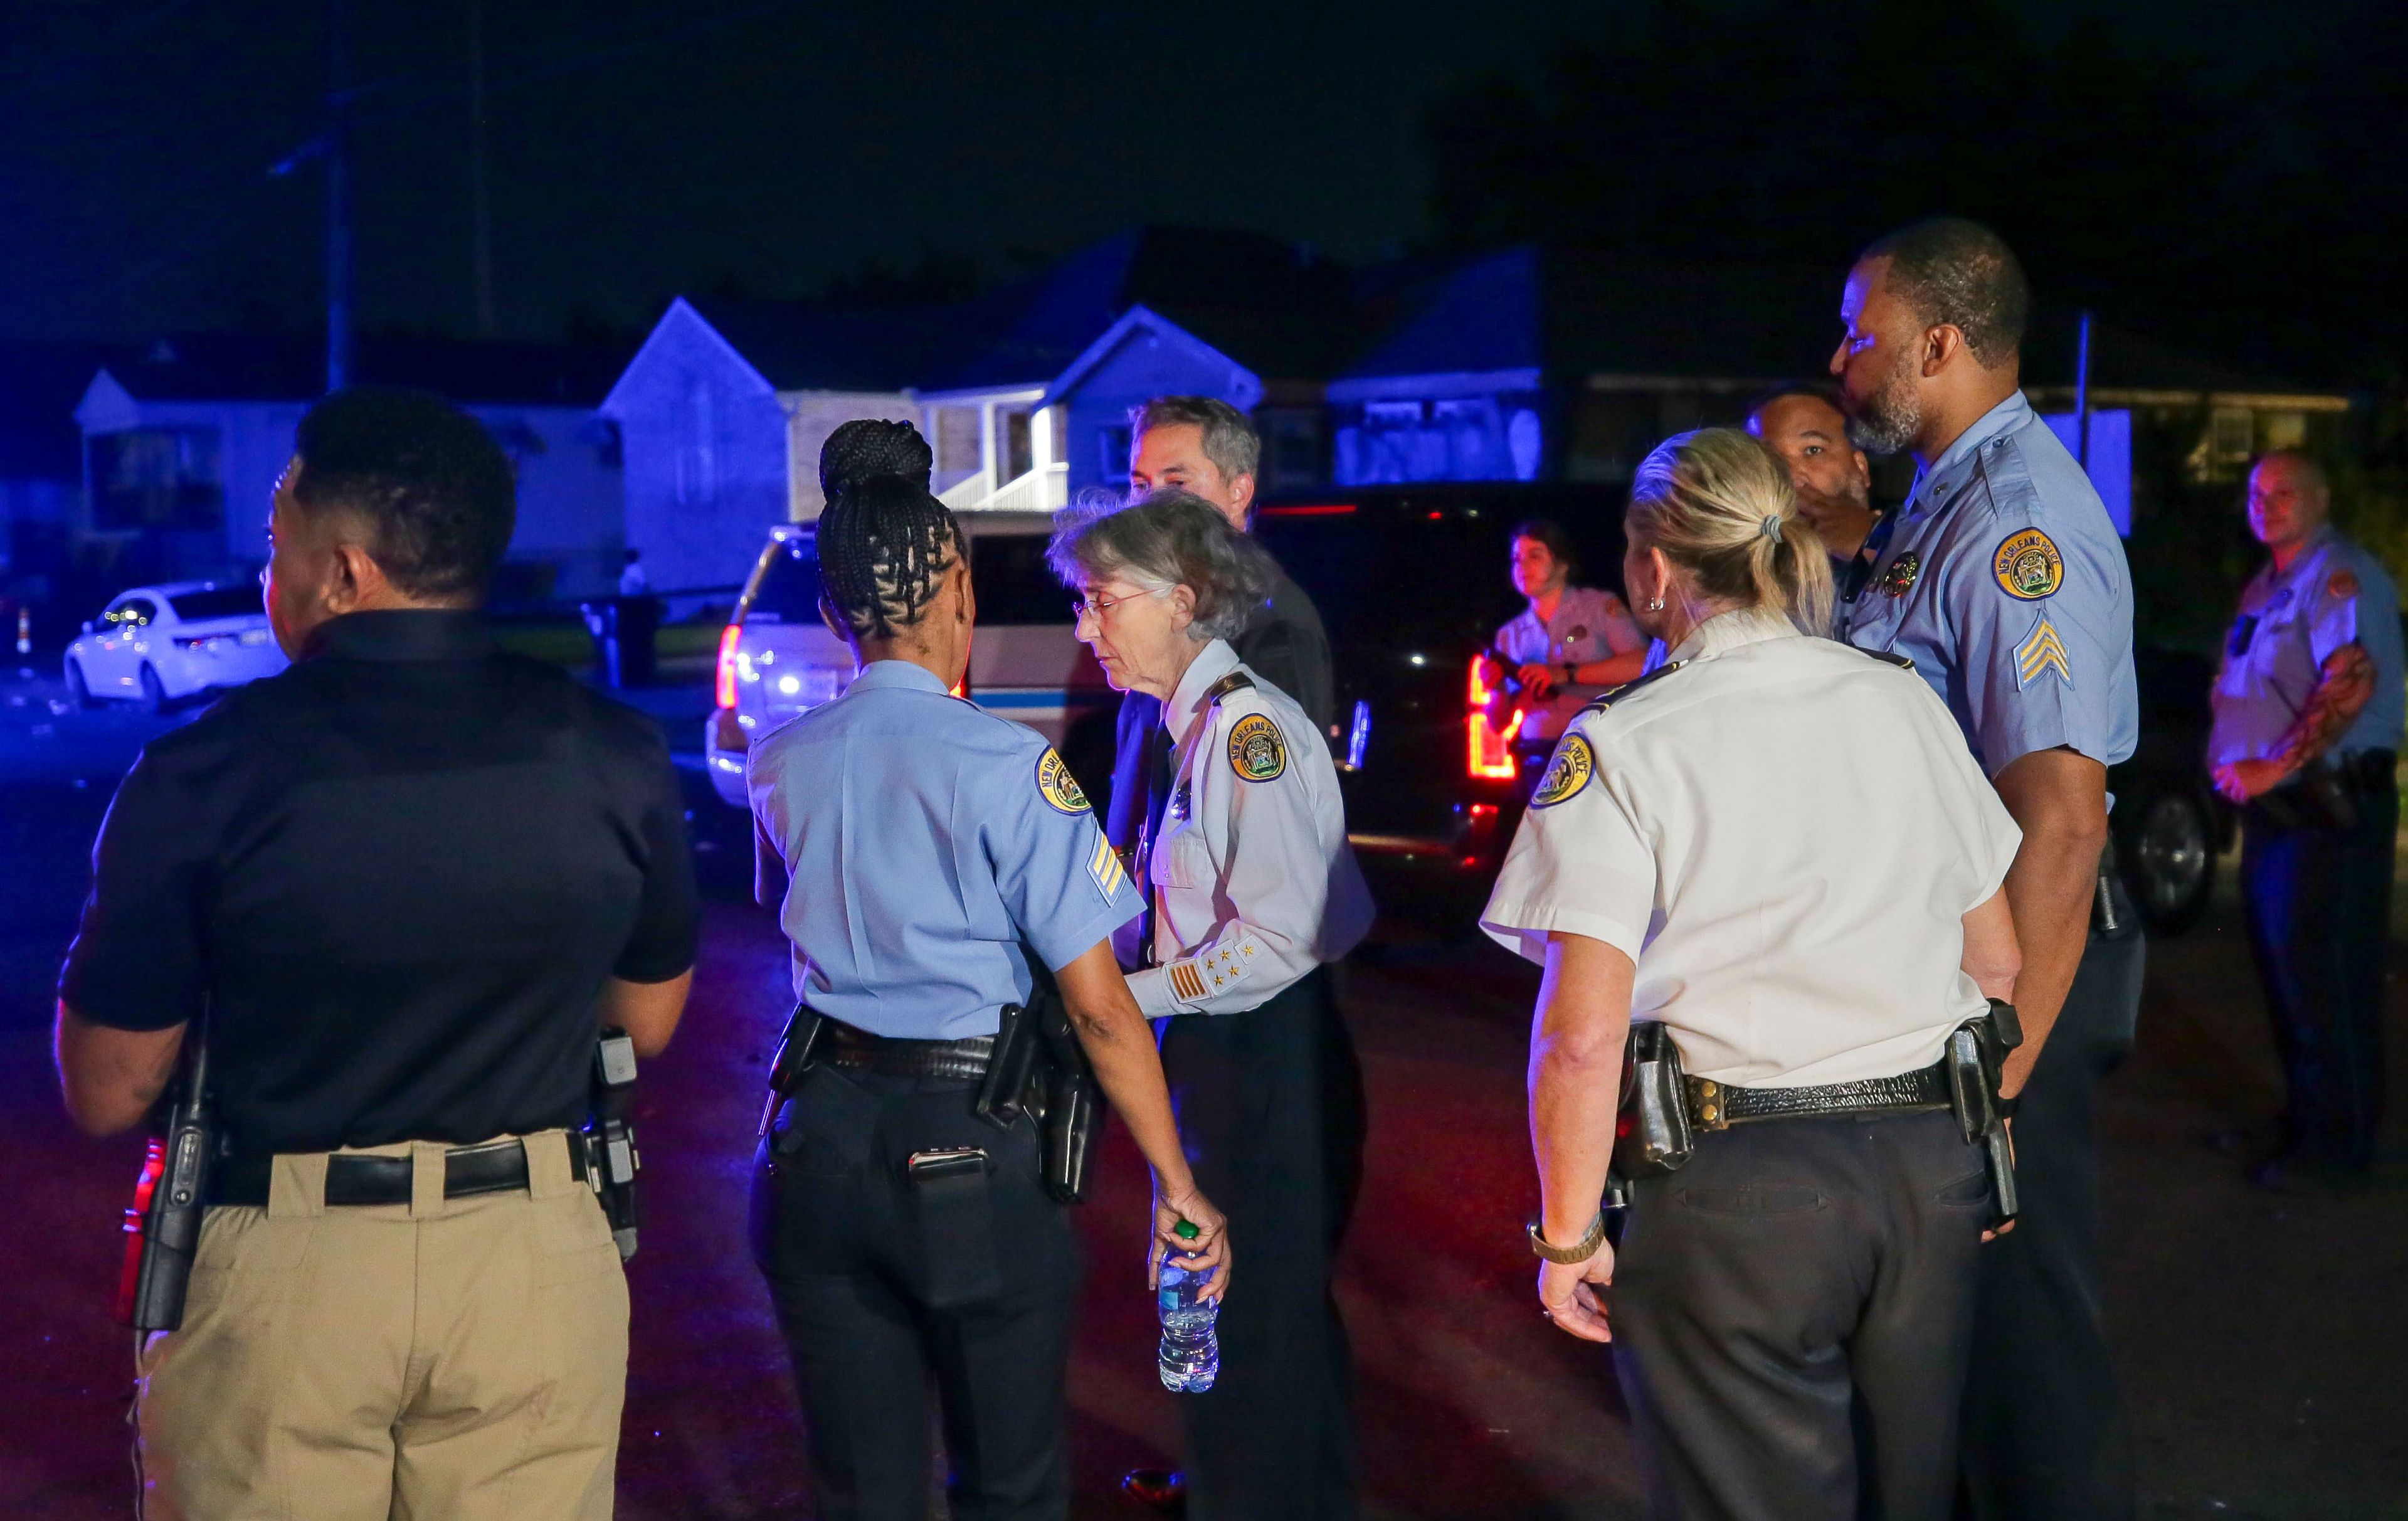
x: 1023, y: 392
x: 183, y: 444
x: 41, y: 461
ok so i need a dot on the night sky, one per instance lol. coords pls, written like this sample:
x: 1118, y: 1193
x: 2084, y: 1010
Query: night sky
x: 640, y: 148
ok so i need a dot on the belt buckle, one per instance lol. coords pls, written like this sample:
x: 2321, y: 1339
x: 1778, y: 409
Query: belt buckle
x: 1708, y: 1104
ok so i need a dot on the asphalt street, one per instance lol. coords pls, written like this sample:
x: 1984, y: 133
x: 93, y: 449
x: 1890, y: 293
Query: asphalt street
x: 2260, y: 1337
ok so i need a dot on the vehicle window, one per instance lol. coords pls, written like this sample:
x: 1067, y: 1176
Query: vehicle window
x: 217, y: 602
x: 1013, y: 583
x: 132, y: 613
x: 787, y: 583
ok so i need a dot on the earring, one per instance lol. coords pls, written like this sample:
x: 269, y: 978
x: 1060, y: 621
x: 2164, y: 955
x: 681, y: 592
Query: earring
x: 1655, y: 604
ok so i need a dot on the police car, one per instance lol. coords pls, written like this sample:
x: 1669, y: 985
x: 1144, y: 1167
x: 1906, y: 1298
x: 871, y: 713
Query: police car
x: 777, y: 660
x: 157, y: 645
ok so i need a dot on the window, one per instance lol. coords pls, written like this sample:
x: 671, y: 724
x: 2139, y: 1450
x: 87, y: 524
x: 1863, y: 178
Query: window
x: 1290, y: 449
x: 786, y: 584
x: 1012, y: 443
x: 156, y: 478
x: 217, y: 602
x: 133, y: 612
x: 956, y: 440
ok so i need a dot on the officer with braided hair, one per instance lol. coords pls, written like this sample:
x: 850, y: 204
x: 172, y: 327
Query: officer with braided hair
x: 871, y: 447
x: 932, y: 850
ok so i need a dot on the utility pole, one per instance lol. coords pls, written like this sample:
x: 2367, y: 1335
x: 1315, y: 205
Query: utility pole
x: 2081, y: 397
x: 338, y: 195
x: 479, y: 196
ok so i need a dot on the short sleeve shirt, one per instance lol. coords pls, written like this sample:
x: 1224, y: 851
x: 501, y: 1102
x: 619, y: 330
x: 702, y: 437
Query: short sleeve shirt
x: 2005, y: 583
x: 1590, y: 625
x: 2333, y: 595
x: 398, y: 875
x: 1783, y: 835
x: 925, y: 843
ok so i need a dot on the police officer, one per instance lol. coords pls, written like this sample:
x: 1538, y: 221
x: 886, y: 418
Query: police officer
x: 934, y: 849
x: 2003, y: 580
x: 1252, y: 892
x: 407, y: 882
x: 1794, y: 1304
x: 1566, y: 646
x: 2308, y: 714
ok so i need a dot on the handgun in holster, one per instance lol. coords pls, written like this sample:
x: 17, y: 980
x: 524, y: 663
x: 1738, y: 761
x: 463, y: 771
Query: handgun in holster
x: 1650, y: 1131
x: 1012, y: 1087
x: 1067, y: 1107
x: 608, y: 1138
x: 162, y: 1228
x: 1977, y: 1058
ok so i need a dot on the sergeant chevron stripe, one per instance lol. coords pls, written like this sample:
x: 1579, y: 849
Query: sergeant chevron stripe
x: 2040, y: 651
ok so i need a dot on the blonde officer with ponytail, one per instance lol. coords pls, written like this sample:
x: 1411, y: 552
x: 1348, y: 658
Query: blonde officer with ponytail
x: 1779, y: 849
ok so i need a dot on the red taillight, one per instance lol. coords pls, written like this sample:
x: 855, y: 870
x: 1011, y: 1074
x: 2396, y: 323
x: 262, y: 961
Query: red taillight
x: 1488, y: 752
x: 727, y: 683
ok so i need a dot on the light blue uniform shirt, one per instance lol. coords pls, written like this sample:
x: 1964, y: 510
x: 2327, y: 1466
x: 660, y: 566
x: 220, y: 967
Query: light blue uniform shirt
x: 2005, y: 583
x: 924, y: 839
x: 2334, y: 595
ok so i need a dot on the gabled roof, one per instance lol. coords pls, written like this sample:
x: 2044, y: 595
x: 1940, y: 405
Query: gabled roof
x: 1241, y: 387
x: 806, y: 346
x: 227, y: 367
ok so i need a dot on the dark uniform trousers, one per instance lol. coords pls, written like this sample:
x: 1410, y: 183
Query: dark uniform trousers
x: 1792, y: 1314
x: 1270, y: 1109
x: 2318, y: 902
x: 2043, y: 1436
x: 881, y: 1283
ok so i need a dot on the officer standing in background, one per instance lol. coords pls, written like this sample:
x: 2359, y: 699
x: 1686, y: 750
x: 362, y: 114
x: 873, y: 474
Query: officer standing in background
x: 1562, y: 649
x: 1209, y: 449
x: 2002, y: 578
x: 933, y: 850
x: 1803, y: 423
x: 2308, y: 706
x: 406, y: 882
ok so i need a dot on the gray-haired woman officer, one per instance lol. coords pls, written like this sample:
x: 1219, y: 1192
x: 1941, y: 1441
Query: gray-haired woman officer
x: 1778, y: 848
x: 932, y: 850
x: 1252, y: 888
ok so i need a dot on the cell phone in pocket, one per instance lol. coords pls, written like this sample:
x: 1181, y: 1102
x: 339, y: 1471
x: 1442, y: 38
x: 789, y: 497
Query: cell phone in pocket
x: 935, y: 1166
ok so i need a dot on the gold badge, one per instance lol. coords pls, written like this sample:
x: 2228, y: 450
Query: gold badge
x: 1060, y: 787
x: 2027, y: 566
x: 1257, y: 753
x: 1902, y: 575
x: 1574, y: 763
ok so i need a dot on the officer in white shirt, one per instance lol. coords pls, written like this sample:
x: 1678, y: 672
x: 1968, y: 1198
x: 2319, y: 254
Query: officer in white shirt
x: 1251, y: 888
x: 1780, y: 849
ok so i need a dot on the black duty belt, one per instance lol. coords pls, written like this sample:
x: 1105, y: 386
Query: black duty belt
x: 1716, y: 1105
x: 497, y: 1167
x: 963, y: 1060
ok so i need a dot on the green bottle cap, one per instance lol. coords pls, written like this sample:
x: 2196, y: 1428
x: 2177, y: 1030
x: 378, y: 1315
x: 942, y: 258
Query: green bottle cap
x: 1185, y: 1230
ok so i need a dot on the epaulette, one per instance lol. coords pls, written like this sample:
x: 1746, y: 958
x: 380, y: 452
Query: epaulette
x: 1607, y: 700
x: 1887, y: 657
x: 1236, y: 680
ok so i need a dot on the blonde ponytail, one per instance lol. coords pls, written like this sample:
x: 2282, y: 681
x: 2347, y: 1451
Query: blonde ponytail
x: 1718, y: 504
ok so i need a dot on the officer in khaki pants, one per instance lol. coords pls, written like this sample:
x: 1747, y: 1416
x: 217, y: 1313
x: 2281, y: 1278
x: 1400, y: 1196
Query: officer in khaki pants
x: 406, y: 881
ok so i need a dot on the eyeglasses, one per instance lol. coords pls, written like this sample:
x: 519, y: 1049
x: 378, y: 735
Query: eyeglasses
x: 1081, y: 607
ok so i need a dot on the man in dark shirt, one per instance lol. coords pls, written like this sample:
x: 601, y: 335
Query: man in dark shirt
x: 405, y: 883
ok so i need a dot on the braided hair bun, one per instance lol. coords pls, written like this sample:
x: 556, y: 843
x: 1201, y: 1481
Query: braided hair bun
x: 885, y: 543
x: 867, y: 447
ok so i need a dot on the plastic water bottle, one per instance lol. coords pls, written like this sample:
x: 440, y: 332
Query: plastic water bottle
x: 1190, y: 1356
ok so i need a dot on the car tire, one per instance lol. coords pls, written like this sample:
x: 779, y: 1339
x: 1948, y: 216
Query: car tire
x: 78, y: 690
x: 2166, y: 854
x: 154, y: 691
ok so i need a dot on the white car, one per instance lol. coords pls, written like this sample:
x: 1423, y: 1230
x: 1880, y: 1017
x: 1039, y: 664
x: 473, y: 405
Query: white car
x: 157, y: 645
x: 777, y: 661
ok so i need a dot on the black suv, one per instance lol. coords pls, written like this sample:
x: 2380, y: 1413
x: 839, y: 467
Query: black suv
x: 1411, y: 582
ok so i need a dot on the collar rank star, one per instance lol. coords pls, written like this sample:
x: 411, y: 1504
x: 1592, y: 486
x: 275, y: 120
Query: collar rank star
x: 1901, y: 577
x: 1257, y: 753
x: 1058, y: 785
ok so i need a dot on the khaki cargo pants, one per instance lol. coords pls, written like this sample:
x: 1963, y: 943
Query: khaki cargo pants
x: 454, y: 1358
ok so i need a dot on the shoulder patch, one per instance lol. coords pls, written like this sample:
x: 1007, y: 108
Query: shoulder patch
x: 1607, y: 700
x: 2027, y: 566
x: 2342, y: 584
x: 1256, y: 751
x: 1567, y: 773
x: 1058, y: 785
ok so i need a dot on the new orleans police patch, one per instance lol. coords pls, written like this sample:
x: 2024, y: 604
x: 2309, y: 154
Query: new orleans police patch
x: 1574, y: 763
x: 2027, y: 566
x: 1256, y: 751
x: 1059, y: 786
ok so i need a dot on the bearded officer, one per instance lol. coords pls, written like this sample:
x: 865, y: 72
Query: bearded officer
x: 2004, y: 582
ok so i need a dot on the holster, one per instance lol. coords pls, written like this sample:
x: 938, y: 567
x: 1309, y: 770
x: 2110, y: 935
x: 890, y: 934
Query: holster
x: 1652, y: 1134
x: 170, y: 1195
x: 1073, y: 1118
x: 1007, y: 1091
x: 1977, y: 1057
x: 791, y: 1060
x: 608, y: 1139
